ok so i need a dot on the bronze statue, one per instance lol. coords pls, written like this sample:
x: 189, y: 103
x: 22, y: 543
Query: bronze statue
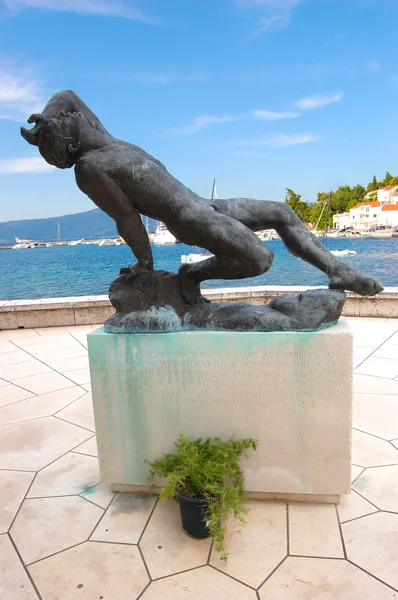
x: 124, y: 181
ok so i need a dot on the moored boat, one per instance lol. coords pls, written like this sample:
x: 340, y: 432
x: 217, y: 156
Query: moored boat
x: 342, y: 252
x: 194, y: 258
x: 163, y: 236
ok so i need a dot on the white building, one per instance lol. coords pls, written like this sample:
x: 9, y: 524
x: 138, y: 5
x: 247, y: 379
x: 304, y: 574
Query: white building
x: 387, y: 194
x: 360, y: 216
x: 341, y: 220
x: 366, y: 214
x: 389, y: 215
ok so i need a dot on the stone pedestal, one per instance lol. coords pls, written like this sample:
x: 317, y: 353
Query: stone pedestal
x: 290, y: 390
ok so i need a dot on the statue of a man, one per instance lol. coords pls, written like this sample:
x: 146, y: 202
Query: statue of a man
x: 124, y: 181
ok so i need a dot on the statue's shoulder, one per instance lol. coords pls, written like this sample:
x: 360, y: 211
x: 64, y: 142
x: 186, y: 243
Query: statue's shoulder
x: 99, y: 157
x: 89, y: 166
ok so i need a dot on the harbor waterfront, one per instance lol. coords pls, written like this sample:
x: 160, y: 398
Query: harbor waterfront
x: 87, y: 270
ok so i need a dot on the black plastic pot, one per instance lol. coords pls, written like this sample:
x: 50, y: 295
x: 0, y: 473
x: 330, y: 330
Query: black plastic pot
x: 194, y: 516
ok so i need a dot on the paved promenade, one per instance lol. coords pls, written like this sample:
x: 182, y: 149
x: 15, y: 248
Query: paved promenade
x: 66, y: 536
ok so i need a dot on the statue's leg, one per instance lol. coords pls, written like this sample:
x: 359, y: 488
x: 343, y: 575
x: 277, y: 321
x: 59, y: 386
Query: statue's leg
x: 238, y: 253
x: 259, y: 214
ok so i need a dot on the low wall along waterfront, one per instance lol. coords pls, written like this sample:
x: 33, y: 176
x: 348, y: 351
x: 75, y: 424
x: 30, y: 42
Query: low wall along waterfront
x: 90, y: 310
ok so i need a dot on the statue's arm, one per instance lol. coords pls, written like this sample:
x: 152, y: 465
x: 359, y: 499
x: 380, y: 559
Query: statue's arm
x: 68, y: 101
x: 108, y: 196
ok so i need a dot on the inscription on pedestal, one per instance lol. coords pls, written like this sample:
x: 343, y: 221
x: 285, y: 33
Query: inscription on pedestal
x: 197, y: 377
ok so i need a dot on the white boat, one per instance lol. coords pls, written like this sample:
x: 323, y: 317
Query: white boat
x: 22, y: 244
x: 350, y: 232
x: 188, y: 259
x: 342, y: 252
x: 163, y: 236
x: 384, y: 231
x: 267, y: 235
x: 107, y: 242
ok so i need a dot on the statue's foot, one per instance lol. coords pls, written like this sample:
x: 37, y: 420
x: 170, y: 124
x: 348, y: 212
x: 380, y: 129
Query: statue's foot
x: 353, y: 281
x: 189, y: 290
x: 133, y: 271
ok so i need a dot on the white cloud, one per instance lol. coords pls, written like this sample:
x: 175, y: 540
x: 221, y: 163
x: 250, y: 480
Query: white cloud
x: 291, y: 140
x: 20, y: 96
x: 311, y: 102
x: 110, y: 8
x: 33, y: 164
x: 273, y: 12
x: 201, y: 122
x: 278, y: 140
x: 270, y: 115
x: 260, y: 114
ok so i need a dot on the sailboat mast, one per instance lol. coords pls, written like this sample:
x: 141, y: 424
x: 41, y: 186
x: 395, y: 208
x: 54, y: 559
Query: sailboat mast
x: 213, y: 189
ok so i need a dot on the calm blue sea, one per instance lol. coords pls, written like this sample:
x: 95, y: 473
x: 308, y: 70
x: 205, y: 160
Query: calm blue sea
x: 87, y: 270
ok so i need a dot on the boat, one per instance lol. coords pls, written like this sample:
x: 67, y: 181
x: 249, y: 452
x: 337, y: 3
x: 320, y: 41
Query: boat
x: 342, y: 252
x: 267, y: 235
x: 108, y: 242
x: 384, y: 231
x: 22, y: 244
x: 163, y: 236
x: 350, y: 232
x: 188, y: 259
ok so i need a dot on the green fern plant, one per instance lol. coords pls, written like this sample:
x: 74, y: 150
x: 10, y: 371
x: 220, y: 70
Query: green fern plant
x: 209, y: 470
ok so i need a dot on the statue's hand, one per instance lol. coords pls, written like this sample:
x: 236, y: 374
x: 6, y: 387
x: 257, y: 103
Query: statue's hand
x: 138, y: 268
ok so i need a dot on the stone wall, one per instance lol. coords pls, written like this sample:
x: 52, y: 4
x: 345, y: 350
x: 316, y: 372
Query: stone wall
x: 84, y: 310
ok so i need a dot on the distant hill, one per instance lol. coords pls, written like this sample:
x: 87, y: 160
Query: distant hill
x: 93, y: 224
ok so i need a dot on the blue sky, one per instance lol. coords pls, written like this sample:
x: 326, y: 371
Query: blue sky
x: 261, y: 94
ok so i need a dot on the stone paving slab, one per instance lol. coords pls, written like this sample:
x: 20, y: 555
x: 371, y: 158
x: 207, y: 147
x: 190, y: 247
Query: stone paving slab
x: 64, y: 535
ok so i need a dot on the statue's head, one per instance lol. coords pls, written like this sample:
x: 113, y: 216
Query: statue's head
x: 58, y: 138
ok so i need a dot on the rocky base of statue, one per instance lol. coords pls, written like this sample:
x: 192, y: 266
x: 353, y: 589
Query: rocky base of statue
x: 151, y: 302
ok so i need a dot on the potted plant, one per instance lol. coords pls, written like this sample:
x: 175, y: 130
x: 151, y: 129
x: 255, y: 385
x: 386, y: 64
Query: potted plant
x: 205, y: 477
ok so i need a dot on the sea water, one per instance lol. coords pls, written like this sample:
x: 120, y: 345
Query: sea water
x: 89, y: 269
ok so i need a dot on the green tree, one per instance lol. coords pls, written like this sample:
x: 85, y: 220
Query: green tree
x: 373, y: 185
x: 316, y: 210
x: 387, y: 179
x: 353, y: 202
x: 300, y: 207
x: 358, y: 192
x: 341, y: 198
x: 394, y: 181
x: 321, y: 213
